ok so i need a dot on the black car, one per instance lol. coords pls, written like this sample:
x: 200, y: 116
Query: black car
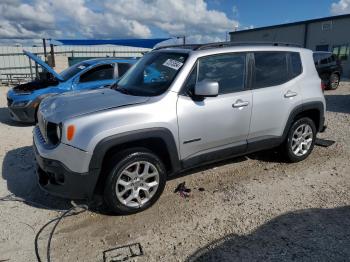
x: 329, y: 68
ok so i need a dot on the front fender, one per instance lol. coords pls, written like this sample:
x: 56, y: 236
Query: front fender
x: 112, y: 141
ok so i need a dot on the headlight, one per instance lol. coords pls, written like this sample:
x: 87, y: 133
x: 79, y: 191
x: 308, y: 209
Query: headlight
x: 21, y: 103
x: 59, y: 132
x: 54, y: 132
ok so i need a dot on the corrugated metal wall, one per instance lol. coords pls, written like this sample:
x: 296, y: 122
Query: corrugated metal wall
x: 12, y: 60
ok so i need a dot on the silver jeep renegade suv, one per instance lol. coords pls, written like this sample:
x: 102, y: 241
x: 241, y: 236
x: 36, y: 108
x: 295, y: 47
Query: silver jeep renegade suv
x: 177, y: 108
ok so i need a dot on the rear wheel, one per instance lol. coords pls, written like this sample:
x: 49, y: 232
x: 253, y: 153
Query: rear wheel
x: 136, y: 180
x: 334, y: 81
x: 301, y: 139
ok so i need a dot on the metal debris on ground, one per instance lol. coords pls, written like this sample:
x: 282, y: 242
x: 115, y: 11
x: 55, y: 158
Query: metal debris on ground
x: 122, y: 253
x: 324, y: 142
x: 182, y: 190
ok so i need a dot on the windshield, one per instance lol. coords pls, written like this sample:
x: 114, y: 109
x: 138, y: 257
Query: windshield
x: 73, y: 70
x: 153, y: 74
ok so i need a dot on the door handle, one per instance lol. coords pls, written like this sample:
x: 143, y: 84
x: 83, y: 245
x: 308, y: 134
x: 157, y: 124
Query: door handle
x: 240, y: 103
x: 290, y: 94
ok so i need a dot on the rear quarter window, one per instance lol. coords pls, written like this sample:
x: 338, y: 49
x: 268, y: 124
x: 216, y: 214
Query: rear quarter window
x: 296, y: 67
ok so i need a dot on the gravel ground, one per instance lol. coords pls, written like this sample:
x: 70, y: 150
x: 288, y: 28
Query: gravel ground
x: 253, y: 208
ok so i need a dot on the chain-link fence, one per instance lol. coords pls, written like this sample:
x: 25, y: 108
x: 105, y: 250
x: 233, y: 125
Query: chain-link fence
x: 15, y: 67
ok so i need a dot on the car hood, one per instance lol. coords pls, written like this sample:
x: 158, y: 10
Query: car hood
x: 61, y: 107
x: 43, y: 64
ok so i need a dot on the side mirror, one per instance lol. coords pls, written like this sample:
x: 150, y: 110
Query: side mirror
x: 206, y: 88
x: 75, y: 82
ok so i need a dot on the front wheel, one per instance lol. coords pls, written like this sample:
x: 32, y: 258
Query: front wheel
x: 301, y: 139
x: 136, y: 180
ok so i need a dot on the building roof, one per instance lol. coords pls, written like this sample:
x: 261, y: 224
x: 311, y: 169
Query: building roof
x: 145, y: 43
x: 294, y: 23
x: 93, y: 61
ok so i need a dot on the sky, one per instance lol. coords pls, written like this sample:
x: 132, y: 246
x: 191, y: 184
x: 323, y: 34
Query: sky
x: 199, y: 20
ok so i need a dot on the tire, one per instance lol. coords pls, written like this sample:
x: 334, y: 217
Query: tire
x: 298, y: 145
x: 138, y: 189
x: 333, y: 81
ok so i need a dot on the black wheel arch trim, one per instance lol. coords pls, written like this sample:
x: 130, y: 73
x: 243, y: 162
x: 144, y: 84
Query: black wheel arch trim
x: 317, y: 105
x: 336, y: 72
x: 150, y: 133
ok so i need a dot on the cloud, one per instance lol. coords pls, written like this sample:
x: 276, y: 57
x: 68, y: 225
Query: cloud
x: 21, y: 20
x: 340, y: 8
x: 182, y: 17
x: 92, y: 24
x: 113, y: 19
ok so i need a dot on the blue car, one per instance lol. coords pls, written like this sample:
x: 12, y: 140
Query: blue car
x: 24, y: 99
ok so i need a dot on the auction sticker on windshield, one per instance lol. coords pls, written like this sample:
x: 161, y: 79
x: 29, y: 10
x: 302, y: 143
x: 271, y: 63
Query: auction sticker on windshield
x: 176, y: 65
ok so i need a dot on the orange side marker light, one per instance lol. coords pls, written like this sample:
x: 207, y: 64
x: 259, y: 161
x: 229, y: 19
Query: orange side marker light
x: 70, y: 132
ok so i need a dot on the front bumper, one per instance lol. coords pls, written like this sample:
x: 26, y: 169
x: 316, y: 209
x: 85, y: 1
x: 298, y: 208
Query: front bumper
x: 55, y: 178
x: 24, y: 114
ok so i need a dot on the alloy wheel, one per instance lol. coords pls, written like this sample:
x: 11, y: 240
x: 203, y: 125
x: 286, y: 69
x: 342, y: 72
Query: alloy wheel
x: 137, y: 184
x: 302, y: 140
x: 334, y: 81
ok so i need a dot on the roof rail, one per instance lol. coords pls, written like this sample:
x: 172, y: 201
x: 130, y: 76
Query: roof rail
x: 188, y: 46
x: 226, y: 44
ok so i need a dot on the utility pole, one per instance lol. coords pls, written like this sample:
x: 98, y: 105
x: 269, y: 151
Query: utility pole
x: 183, y: 39
x: 45, y: 53
x: 52, y: 53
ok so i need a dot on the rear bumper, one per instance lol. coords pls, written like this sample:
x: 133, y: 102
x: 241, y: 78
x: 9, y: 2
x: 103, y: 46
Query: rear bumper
x: 55, y: 178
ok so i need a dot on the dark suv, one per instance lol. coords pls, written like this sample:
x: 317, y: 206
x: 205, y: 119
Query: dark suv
x: 329, y: 69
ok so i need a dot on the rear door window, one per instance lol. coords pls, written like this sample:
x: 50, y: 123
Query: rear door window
x: 325, y: 59
x: 270, y: 69
x: 98, y: 73
x: 123, y: 68
x: 316, y: 58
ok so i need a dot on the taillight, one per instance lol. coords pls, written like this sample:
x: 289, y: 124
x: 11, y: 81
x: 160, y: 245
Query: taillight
x: 323, y: 86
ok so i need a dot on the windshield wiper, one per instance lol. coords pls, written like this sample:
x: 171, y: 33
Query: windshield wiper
x: 121, y: 90
x: 113, y: 86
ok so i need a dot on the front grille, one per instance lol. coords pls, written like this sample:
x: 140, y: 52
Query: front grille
x: 39, y: 135
x: 42, y: 123
x: 48, y: 131
x: 9, y: 101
